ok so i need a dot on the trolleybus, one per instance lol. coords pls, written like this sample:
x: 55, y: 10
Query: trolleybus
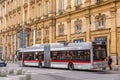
x: 85, y: 55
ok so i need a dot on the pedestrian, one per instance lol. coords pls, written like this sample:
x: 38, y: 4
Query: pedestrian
x: 110, y: 62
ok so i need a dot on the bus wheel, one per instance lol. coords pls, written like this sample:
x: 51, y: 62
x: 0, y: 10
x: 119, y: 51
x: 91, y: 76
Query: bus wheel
x: 40, y: 65
x: 70, y: 66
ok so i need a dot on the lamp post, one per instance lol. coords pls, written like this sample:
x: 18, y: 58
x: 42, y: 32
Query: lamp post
x: 22, y: 46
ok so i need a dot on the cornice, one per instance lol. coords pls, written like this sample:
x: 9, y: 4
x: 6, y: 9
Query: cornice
x: 87, y: 8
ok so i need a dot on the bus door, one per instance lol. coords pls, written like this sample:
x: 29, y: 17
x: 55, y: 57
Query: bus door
x: 47, y: 56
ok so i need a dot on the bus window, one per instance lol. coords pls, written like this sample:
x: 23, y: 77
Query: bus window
x: 81, y: 55
x: 54, y: 55
x: 28, y: 56
x: 58, y: 55
x: 40, y: 56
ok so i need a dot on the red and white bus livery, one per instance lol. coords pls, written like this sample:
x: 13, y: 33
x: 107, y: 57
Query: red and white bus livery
x: 85, y: 55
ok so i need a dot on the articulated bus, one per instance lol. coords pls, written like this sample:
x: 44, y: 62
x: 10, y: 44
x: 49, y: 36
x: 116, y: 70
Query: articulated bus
x: 85, y: 55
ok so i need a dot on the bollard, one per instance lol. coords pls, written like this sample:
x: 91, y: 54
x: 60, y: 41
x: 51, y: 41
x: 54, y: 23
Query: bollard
x: 23, y: 72
x: 28, y: 75
x: 18, y: 72
x: 21, y: 77
x: 3, y: 73
x: 10, y: 71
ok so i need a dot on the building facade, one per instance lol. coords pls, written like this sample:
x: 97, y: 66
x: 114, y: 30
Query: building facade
x: 27, y: 22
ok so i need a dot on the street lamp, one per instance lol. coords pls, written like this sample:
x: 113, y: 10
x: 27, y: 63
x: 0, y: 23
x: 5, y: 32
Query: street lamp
x: 22, y: 46
x: 20, y: 29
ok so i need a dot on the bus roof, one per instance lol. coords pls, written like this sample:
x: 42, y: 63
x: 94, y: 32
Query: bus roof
x: 59, y: 47
x: 72, y: 46
x: 32, y: 48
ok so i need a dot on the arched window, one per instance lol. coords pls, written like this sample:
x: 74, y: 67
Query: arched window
x: 61, y: 29
x: 100, y: 20
x: 78, y: 25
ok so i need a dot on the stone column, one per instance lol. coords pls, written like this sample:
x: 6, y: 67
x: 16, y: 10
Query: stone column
x: 69, y: 29
x: 51, y: 7
x: 22, y: 13
x: 34, y: 37
x: 58, y: 5
x: 36, y: 9
x: 42, y: 33
x: 113, y: 34
x: 74, y: 3
x: 43, y: 8
x: 88, y: 25
x: 69, y: 5
x: 29, y: 12
x: 52, y: 33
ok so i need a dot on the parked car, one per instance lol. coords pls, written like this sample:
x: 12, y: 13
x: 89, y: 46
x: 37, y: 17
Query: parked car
x: 2, y: 63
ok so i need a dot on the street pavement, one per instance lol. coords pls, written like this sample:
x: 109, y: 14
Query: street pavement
x: 64, y: 74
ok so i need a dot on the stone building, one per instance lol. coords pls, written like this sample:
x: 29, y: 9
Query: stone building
x: 27, y: 22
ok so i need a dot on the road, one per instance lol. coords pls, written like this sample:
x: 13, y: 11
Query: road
x: 64, y: 74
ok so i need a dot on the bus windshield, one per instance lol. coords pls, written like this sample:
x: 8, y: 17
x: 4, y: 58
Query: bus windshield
x: 99, y: 52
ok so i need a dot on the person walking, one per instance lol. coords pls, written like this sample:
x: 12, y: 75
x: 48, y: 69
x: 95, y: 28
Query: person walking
x: 110, y: 62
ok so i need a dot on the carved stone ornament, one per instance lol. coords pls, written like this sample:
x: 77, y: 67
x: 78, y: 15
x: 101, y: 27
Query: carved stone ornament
x: 32, y: 2
x: 25, y: 5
